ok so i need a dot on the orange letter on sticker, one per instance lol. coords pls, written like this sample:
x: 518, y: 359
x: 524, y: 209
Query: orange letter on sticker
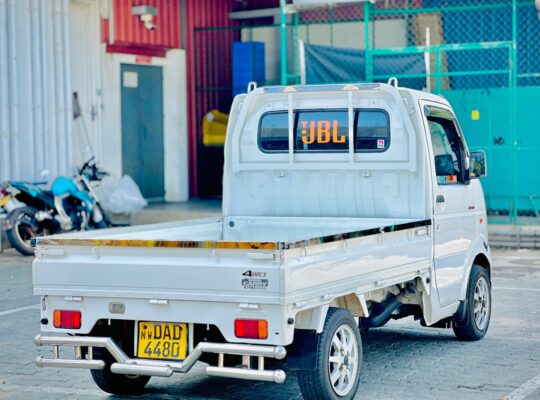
x: 337, y: 139
x: 304, y: 132
x: 323, y: 133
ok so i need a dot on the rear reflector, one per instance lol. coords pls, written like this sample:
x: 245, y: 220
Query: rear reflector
x: 251, y: 328
x: 66, y: 319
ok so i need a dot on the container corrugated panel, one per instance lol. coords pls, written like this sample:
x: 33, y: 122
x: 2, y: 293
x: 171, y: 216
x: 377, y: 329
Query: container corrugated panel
x: 35, y: 89
x: 208, y: 65
x: 129, y: 30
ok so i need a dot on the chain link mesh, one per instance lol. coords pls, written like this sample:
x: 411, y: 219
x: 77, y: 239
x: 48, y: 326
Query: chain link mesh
x: 403, y: 23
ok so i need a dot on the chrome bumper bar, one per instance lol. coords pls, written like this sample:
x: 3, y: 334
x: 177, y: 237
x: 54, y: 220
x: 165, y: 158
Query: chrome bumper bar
x: 137, y: 366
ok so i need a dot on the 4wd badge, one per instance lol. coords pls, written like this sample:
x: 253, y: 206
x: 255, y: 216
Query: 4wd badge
x: 254, y: 280
x: 255, y: 274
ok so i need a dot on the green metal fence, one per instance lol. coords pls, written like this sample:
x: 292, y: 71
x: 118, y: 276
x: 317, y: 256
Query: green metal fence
x: 480, y: 54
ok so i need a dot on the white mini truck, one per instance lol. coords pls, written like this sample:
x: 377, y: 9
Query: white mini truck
x: 344, y: 206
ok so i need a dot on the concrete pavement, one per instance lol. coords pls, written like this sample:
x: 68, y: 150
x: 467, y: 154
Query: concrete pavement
x: 401, y: 361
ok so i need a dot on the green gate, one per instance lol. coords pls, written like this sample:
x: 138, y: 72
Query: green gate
x: 481, y: 55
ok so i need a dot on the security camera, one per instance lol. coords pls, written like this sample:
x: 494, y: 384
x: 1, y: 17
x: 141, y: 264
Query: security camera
x: 147, y: 19
x: 146, y: 15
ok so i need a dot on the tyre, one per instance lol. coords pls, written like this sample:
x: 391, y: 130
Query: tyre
x: 339, y: 356
x: 127, y: 385
x: 477, y: 307
x: 24, y: 228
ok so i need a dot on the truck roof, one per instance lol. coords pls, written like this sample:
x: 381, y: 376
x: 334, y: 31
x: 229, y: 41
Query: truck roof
x: 338, y: 87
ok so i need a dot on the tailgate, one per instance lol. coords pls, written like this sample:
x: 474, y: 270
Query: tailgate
x: 208, y: 274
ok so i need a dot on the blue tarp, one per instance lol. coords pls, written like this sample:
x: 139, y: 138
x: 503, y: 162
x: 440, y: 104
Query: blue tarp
x: 326, y: 64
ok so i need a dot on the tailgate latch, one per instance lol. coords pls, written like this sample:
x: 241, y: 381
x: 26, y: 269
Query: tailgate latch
x: 159, y: 302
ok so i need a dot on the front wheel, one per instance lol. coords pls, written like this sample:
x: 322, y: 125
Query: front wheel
x: 339, y: 356
x: 477, y: 307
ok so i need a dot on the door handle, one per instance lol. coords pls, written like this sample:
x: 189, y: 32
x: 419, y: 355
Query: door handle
x: 439, y: 199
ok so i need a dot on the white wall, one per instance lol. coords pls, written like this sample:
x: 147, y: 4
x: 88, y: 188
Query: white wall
x: 175, y: 119
x: 35, y: 103
x: 85, y: 50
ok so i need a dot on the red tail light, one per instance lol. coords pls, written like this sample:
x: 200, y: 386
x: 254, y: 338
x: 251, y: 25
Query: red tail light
x: 67, y: 319
x: 251, y: 328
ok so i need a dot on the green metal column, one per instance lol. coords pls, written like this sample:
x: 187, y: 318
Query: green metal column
x: 283, y: 37
x: 513, y: 112
x: 438, y: 70
x: 369, y: 61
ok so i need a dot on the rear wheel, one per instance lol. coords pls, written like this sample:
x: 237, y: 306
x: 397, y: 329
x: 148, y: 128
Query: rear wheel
x: 109, y: 382
x: 24, y: 227
x: 339, y: 356
x: 477, y: 307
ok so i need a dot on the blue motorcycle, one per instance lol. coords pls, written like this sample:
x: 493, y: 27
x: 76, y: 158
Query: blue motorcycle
x: 71, y: 204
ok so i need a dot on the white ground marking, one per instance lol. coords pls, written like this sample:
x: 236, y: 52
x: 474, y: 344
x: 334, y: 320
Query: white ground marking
x: 521, y: 289
x: 16, y: 310
x: 524, y: 390
x: 48, y: 389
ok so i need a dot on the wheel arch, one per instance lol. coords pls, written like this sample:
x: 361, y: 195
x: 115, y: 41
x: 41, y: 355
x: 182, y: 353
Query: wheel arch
x: 482, y: 260
x: 479, y: 255
x: 478, y: 251
x: 314, y: 318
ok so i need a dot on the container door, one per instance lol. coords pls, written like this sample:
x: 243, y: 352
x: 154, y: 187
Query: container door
x: 142, y: 128
x: 453, y: 200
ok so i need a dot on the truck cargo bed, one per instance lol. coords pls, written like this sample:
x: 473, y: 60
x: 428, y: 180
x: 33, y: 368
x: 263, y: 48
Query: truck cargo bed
x: 281, y: 231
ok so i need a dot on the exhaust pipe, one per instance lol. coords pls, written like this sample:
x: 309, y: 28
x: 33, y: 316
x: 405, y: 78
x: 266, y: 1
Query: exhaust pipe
x: 387, y: 307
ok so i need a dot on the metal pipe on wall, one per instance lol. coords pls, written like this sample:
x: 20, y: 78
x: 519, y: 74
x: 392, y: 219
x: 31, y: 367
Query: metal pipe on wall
x: 27, y: 142
x: 59, y: 92
x: 67, y: 106
x: 44, y: 81
x: 5, y: 165
x: 37, y: 88
x: 13, y: 87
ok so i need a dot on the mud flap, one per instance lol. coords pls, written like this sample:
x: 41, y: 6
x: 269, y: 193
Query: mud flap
x: 461, y: 312
x: 302, y: 354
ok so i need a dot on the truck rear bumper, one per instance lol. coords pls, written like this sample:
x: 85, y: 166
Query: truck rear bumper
x: 137, y: 366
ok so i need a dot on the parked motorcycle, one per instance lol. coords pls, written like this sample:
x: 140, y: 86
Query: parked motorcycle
x: 7, y: 202
x: 71, y: 204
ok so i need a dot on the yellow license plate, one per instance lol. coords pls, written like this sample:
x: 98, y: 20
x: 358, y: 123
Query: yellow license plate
x: 4, y: 200
x: 162, y: 340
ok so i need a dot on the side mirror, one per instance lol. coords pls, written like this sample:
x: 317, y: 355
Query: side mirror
x: 478, y: 168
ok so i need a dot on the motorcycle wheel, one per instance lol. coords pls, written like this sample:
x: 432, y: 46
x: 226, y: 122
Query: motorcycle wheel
x: 24, y: 227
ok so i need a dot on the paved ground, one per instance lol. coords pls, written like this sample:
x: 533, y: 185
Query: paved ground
x: 402, y: 361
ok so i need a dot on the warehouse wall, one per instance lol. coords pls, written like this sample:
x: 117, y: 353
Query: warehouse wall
x: 35, y: 95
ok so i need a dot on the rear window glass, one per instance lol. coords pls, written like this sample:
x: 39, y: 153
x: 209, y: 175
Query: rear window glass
x: 274, y: 132
x: 325, y: 131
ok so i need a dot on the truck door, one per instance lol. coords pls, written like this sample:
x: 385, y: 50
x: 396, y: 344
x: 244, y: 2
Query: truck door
x: 453, y: 199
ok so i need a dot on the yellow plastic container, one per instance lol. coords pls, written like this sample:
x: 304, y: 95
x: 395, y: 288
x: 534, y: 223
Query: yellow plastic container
x: 214, y: 128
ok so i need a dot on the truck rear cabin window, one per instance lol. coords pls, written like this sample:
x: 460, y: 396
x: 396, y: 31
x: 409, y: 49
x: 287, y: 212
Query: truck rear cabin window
x: 325, y: 131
